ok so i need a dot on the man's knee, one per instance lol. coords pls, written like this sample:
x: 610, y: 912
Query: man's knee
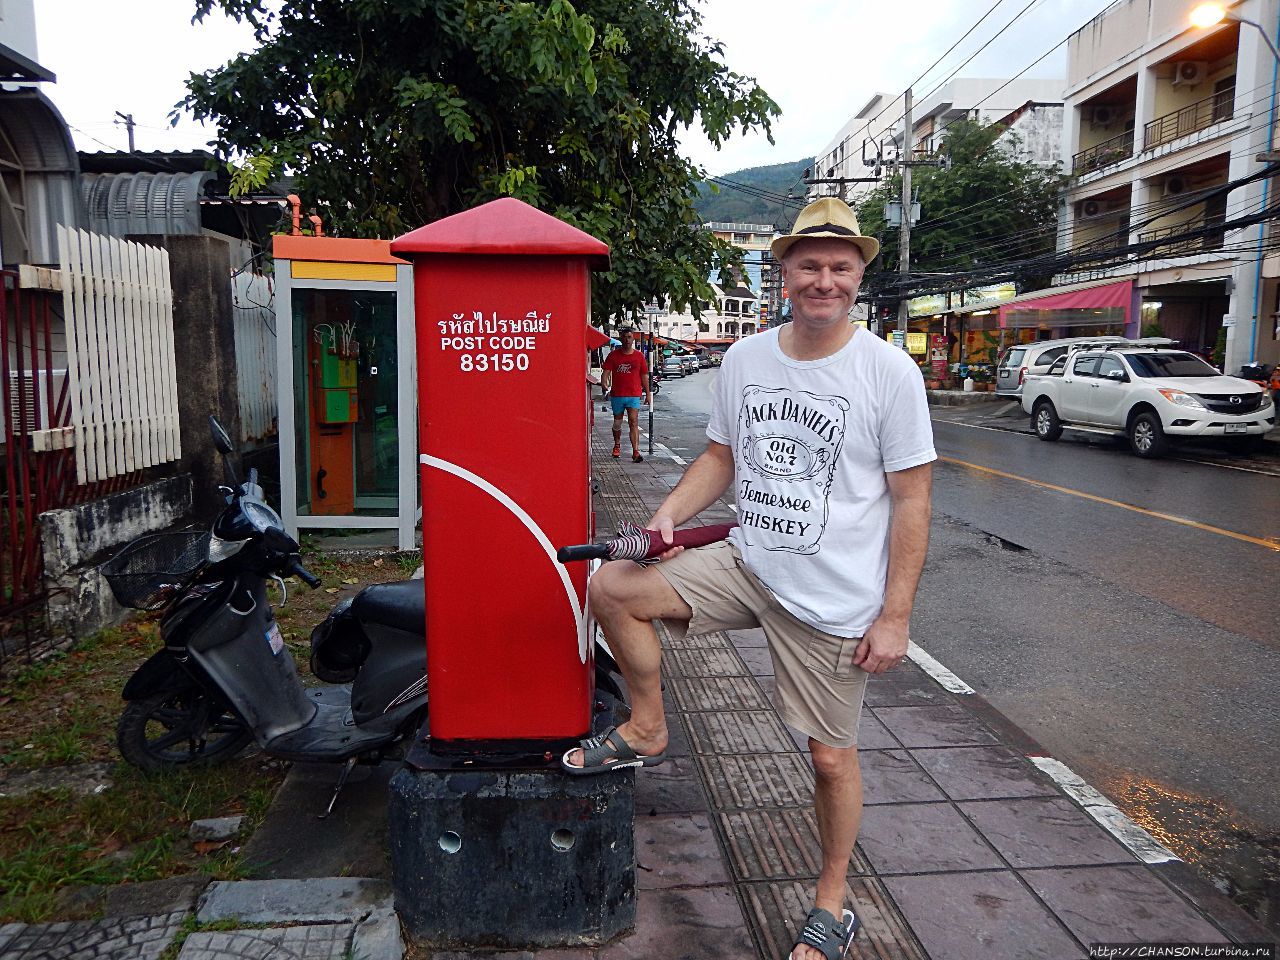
x: 833, y: 763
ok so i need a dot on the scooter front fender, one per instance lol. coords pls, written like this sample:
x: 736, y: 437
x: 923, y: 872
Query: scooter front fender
x: 161, y: 672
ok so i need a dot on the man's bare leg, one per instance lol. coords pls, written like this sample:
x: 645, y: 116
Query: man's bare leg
x: 617, y: 431
x: 633, y: 419
x: 838, y: 805
x: 625, y: 599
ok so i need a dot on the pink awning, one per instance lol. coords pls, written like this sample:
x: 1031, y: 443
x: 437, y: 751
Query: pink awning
x: 1101, y: 303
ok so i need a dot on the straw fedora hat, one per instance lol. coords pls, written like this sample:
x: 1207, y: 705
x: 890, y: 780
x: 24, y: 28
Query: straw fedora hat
x: 827, y: 217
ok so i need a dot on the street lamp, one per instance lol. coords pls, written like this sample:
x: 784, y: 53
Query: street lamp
x: 1211, y: 14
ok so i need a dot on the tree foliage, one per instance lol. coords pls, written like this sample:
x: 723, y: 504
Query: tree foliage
x: 987, y: 206
x: 394, y: 113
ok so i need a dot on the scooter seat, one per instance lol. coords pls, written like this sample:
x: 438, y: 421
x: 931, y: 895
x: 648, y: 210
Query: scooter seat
x: 402, y: 606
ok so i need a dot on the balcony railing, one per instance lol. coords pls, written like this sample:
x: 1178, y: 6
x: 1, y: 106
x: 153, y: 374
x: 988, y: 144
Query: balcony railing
x: 1199, y: 244
x: 1103, y: 154
x: 1199, y: 115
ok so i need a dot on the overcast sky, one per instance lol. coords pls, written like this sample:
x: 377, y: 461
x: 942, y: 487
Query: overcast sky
x: 819, y: 59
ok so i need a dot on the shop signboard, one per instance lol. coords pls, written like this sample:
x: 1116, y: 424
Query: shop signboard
x: 938, y: 354
x: 917, y: 343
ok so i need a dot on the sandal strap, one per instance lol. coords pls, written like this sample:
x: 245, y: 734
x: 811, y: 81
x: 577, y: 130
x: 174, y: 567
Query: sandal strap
x: 824, y: 933
x: 608, y: 746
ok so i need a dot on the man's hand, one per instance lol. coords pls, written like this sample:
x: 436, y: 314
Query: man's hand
x: 883, y: 646
x: 665, y: 526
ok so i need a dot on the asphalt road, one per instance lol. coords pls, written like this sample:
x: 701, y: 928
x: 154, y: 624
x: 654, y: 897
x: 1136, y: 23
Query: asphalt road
x: 1123, y: 612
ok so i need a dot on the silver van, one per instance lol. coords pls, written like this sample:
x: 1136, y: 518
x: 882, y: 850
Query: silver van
x: 1024, y: 359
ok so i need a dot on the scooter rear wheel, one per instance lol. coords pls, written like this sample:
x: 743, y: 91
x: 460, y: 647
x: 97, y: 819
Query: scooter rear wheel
x: 179, y: 728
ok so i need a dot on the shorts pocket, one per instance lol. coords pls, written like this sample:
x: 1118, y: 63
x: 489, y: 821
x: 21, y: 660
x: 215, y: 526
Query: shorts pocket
x: 831, y: 656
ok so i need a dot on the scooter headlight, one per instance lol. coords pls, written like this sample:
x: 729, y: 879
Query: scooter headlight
x: 260, y: 515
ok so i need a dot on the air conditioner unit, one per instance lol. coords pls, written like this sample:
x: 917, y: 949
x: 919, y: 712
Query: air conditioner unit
x: 1102, y: 115
x: 1175, y: 186
x: 29, y: 408
x: 1092, y: 209
x: 1190, y: 72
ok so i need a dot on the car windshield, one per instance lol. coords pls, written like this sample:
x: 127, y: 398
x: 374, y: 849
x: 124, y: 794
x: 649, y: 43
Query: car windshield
x: 1170, y: 365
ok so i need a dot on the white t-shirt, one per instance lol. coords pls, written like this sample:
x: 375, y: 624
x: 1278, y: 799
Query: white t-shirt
x: 812, y: 441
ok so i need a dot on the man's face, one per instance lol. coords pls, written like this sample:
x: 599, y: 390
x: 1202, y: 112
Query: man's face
x: 627, y: 341
x: 822, y: 277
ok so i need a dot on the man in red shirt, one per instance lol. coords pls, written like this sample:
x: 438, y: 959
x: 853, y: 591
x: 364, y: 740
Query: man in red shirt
x: 626, y: 381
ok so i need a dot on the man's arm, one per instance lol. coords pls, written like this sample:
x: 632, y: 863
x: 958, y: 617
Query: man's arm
x: 704, y: 480
x: 886, y: 641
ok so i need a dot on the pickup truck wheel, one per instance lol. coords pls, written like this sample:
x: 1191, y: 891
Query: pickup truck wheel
x: 1146, y: 436
x: 1045, y: 422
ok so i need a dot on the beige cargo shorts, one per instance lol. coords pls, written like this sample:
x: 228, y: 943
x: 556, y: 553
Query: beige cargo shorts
x: 820, y: 690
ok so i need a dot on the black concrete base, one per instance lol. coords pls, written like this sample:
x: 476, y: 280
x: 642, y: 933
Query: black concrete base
x: 512, y: 859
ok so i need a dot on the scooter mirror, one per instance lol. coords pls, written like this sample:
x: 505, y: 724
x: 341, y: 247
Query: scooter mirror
x: 220, y: 438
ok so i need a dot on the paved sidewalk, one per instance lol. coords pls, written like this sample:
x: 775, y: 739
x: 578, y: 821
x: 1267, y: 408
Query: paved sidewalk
x: 969, y: 847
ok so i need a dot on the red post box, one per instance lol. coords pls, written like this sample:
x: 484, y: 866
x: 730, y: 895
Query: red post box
x: 502, y: 299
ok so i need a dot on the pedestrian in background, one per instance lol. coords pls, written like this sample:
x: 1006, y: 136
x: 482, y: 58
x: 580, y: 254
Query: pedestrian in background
x: 823, y: 430
x: 626, y: 383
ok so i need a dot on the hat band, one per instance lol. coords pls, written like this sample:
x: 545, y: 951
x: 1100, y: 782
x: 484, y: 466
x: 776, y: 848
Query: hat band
x: 828, y: 228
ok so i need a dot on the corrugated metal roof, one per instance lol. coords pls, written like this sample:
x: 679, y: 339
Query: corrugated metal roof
x: 120, y: 204
x: 36, y: 140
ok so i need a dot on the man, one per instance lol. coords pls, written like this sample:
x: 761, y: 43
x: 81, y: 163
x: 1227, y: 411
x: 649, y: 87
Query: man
x: 823, y: 430
x: 626, y: 382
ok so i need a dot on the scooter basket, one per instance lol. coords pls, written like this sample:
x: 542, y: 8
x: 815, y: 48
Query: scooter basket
x: 148, y: 572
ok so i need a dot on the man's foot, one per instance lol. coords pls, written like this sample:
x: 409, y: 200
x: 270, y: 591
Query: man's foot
x: 651, y: 748
x: 617, y: 450
x: 635, y: 457
x: 823, y: 937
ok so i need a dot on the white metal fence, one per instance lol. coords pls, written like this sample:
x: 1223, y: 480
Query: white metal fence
x: 118, y: 307
x: 255, y: 334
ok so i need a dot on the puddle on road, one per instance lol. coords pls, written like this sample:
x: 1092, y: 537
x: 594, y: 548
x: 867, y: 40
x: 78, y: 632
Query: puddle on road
x: 1240, y: 858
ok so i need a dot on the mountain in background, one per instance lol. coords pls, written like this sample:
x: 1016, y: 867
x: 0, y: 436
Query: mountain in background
x: 740, y: 206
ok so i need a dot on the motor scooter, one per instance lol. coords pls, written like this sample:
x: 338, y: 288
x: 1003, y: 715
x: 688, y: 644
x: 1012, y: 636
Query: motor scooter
x: 224, y: 677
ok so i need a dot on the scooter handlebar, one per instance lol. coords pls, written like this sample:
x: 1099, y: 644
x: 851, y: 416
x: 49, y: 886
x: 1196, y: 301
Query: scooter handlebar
x: 294, y: 568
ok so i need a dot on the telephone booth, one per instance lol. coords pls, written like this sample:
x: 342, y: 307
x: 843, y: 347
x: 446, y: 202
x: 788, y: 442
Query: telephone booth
x: 347, y: 386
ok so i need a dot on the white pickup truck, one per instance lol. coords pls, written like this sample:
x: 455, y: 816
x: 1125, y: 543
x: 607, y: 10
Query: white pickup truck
x: 1152, y: 395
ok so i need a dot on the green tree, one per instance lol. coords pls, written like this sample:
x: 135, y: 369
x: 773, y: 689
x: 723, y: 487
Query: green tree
x: 394, y: 113
x: 985, y: 207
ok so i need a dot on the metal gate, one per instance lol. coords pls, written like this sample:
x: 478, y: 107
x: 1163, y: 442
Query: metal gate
x: 34, y: 474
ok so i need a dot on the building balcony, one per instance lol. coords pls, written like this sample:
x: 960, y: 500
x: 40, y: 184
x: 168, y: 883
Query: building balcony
x: 1188, y: 245
x: 1103, y: 154
x: 1190, y: 119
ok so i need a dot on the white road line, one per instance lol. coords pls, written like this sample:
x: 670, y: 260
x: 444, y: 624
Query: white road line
x: 947, y: 679
x: 666, y: 451
x: 978, y: 426
x: 1144, y: 846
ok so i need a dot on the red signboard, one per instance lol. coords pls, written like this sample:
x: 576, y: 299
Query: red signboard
x: 502, y: 298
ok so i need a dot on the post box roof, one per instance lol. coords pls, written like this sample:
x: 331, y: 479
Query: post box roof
x: 504, y: 227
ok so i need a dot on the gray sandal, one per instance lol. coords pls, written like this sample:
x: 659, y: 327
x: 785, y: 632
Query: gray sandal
x: 605, y: 753
x: 824, y: 934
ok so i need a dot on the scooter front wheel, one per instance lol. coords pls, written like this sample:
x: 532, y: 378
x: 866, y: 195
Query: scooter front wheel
x: 178, y: 728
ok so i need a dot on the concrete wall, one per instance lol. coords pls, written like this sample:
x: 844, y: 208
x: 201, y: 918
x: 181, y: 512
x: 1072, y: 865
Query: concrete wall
x: 204, y: 330
x: 1039, y: 135
x: 77, y: 539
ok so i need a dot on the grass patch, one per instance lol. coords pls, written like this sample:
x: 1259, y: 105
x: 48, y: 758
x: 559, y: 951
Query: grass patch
x: 63, y: 710
x: 133, y: 832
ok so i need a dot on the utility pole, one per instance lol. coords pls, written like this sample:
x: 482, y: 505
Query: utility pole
x: 128, y: 125
x: 904, y: 232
